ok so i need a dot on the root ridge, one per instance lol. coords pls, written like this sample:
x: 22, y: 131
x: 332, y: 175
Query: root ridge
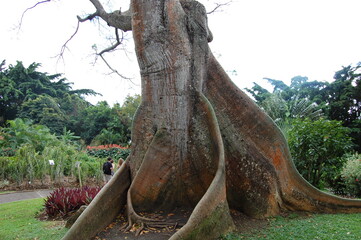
x: 157, y: 222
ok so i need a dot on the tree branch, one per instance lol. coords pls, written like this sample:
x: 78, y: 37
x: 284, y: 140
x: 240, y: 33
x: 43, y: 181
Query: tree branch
x: 218, y: 6
x: 29, y: 8
x: 110, y: 49
x: 117, y: 19
x: 114, y: 46
x: 61, y: 54
x: 88, y: 18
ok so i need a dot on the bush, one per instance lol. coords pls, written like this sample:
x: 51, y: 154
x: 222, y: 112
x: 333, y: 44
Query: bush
x: 317, y: 148
x: 7, y: 152
x: 63, y: 201
x: 25, y: 151
x: 112, y: 150
x: 351, y: 174
x: 29, y: 165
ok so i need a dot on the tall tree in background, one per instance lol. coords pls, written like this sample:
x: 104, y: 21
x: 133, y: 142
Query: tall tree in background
x: 339, y: 99
x: 46, y: 99
x: 49, y: 100
x: 344, y: 100
x: 102, y: 124
x: 286, y: 103
x: 193, y: 128
x: 344, y: 96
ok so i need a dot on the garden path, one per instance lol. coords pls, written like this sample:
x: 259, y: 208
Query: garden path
x: 18, y: 196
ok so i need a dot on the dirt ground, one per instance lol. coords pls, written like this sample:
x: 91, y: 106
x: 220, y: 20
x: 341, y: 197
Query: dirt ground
x: 243, y: 224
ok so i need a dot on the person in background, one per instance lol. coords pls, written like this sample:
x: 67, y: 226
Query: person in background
x: 108, y: 169
x: 120, y: 162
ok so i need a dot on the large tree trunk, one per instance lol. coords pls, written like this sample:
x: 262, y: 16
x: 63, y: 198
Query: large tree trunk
x: 200, y: 142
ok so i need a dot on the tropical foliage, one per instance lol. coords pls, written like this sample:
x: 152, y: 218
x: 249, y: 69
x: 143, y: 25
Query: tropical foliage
x: 317, y: 148
x: 321, y: 120
x: 351, y: 174
x: 28, y: 93
x: 20, y: 132
x: 42, y: 118
x: 27, y: 149
x: 339, y: 100
x: 101, y: 124
x: 50, y: 101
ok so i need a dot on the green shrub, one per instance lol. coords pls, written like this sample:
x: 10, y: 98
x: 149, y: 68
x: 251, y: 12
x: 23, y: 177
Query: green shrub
x: 32, y: 146
x: 351, y: 174
x: 23, y: 131
x: 317, y: 148
x: 90, y: 169
x: 26, y: 165
x: 29, y: 165
x: 7, y: 167
x: 7, y: 152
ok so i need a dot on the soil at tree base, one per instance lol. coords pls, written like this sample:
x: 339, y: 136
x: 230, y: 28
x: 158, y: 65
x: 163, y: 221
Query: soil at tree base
x: 179, y: 217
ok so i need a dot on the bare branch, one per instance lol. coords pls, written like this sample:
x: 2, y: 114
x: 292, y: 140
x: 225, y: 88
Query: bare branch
x: 218, y: 6
x: 114, y: 46
x: 88, y: 18
x: 114, y: 70
x: 22, y: 16
x: 110, y: 49
x: 116, y: 19
x: 61, y: 54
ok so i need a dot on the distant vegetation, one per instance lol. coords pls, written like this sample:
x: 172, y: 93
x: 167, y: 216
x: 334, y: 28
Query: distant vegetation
x: 42, y: 118
x: 322, y: 123
x: 50, y: 101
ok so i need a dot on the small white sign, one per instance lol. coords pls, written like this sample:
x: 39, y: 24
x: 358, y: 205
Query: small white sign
x: 77, y: 164
x: 51, y: 162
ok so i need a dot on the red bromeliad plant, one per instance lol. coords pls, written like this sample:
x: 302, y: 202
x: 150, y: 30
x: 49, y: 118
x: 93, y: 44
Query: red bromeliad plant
x: 63, y: 201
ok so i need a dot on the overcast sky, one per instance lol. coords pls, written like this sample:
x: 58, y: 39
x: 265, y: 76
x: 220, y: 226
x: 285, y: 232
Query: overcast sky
x: 253, y: 39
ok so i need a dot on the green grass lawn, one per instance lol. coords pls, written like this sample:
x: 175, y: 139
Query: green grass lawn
x: 318, y: 226
x: 18, y: 222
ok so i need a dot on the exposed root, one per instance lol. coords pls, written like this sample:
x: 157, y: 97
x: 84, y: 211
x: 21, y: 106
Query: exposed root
x: 211, y: 216
x: 138, y: 224
x: 139, y: 230
x: 241, y: 118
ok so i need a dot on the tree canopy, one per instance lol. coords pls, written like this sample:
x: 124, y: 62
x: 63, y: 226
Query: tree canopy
x: 338, y: 99
x: 25, y: 90
x: 49, y: 100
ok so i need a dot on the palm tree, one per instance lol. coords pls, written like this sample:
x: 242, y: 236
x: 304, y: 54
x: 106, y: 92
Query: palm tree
x: 283, y: 112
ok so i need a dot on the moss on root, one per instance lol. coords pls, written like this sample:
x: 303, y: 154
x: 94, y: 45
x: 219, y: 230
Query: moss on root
x: 212, y: 226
